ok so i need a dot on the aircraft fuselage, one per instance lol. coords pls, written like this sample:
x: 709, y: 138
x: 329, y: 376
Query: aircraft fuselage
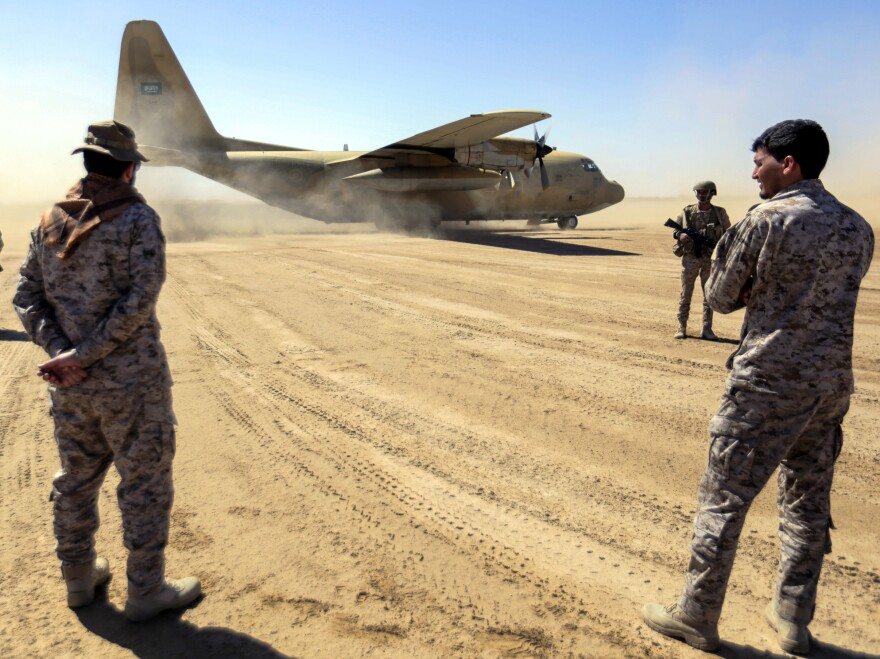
x: 313, y: 184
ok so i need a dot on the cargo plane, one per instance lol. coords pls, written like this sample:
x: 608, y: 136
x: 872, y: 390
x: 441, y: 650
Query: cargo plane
x: 461, y: 171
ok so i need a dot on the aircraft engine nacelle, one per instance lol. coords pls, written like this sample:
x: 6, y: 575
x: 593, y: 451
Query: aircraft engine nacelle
x: 501, y: 153
x: 425, y: 179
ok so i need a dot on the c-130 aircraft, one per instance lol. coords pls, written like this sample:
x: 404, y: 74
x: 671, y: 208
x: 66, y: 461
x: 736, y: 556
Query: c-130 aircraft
x: 461, y: 171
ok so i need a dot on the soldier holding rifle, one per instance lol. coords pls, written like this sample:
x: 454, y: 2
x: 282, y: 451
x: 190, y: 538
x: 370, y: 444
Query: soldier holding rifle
x: 701, y: 226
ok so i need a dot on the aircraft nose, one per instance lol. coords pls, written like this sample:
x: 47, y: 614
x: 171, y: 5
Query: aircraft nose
x: 615, y: 192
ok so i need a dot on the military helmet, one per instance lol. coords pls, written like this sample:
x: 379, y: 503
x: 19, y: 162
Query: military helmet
x: 706, y: 185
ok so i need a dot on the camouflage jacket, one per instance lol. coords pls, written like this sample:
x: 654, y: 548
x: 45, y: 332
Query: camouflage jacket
x: 100, y: 300
x: 692, y: 217
x: 804, y: 255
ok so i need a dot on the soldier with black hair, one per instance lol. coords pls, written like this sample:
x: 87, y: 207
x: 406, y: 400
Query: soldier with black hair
x: 87, y: 295
x: 795, y: 263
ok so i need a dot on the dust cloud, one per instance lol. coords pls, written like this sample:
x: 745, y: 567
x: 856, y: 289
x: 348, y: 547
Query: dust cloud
x: 192, y: 220
x: 183, y: 221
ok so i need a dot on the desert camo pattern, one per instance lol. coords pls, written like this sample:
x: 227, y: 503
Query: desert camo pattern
x: 788, y: 390
x: 691, y: 265
x: 691, y: 268
x: 133, y: 432
x: 806, y: 254
x: 752, y: 433
x: 101, y: 300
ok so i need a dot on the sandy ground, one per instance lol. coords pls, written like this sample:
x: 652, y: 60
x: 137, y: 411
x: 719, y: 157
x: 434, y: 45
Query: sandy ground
x: 484, y: 444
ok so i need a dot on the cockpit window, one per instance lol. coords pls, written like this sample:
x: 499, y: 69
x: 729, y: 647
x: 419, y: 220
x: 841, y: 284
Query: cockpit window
x: 589, y: 166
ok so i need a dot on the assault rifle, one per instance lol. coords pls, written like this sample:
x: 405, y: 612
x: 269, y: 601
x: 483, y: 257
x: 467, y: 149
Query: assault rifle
x: 699, y: 239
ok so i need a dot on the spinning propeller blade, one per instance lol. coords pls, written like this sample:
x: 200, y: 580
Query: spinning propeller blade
x: 541, y: 150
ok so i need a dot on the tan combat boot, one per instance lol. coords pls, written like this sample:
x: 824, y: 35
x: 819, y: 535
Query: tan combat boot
x: 174, y: 595
x: 708, y: 334
x: 81, y: 581
x: 672, y: 621
x: 793, y: 637
x: 682, y: 332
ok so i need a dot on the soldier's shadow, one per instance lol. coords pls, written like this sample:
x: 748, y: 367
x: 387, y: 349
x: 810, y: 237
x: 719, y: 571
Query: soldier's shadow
x: 733, y: 342
x: 13, y: 335
x: 818, y: 650
x: 168, y: 636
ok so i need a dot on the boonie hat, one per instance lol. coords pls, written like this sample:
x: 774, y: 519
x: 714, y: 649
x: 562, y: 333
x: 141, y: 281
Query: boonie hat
x: 114, y: 139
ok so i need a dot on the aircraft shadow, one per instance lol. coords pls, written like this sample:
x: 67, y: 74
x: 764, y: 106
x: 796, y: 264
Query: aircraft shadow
x: 168, y: 636
x: 13, y: 335
x: 528, y: 244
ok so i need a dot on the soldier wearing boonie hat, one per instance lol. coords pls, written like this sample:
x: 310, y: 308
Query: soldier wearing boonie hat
x: 114, y: 139
x: 87, y: 295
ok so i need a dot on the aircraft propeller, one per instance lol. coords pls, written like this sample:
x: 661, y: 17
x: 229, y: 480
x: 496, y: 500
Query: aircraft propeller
x: 541, y: 150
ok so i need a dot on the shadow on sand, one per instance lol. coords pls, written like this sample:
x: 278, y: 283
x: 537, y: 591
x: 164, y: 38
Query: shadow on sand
x: 733, y: 342
x: 13, y: 335
x: 528, y: 243
x: 818, y: 650
x: 168, y: 636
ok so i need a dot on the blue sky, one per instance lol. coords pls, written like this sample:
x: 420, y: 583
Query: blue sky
x: 659, y: 94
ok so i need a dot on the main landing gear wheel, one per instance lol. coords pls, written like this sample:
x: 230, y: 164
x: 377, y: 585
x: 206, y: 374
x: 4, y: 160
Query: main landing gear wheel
x: 567, y: 222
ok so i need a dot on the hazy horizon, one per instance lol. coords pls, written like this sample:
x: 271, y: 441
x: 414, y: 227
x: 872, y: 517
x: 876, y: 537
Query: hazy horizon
x: 188, y: 220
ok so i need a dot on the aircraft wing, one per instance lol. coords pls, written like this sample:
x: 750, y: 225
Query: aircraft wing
x: 470, y: 130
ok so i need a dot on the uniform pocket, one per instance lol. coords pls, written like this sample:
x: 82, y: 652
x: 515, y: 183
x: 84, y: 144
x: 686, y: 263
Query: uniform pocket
x: 737, y: 416
x: 158, y: 407
x: 735, y: 459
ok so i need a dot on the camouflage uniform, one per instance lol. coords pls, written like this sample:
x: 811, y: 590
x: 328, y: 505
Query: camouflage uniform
x: 101, y: 300
x: 692, y: 265
x: 804, y: 255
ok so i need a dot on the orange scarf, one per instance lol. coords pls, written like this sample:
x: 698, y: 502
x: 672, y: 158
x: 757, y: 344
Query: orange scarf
x: 93, y: 200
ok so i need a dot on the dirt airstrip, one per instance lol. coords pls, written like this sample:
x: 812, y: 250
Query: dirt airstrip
x: 481, y: 444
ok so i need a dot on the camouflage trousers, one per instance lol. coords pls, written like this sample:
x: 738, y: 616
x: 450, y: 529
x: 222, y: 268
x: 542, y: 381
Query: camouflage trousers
x: 691, y: 268
x: 752, y: 434
x: 134, y: 430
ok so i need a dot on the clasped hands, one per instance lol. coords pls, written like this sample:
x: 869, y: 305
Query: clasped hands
x: 63, y: 370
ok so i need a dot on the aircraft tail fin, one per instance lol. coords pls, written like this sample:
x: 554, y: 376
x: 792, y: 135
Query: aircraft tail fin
x: 154, y: 96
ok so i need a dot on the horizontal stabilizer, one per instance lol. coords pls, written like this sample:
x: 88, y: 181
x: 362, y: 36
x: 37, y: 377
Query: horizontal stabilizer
x: 189, y: 159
